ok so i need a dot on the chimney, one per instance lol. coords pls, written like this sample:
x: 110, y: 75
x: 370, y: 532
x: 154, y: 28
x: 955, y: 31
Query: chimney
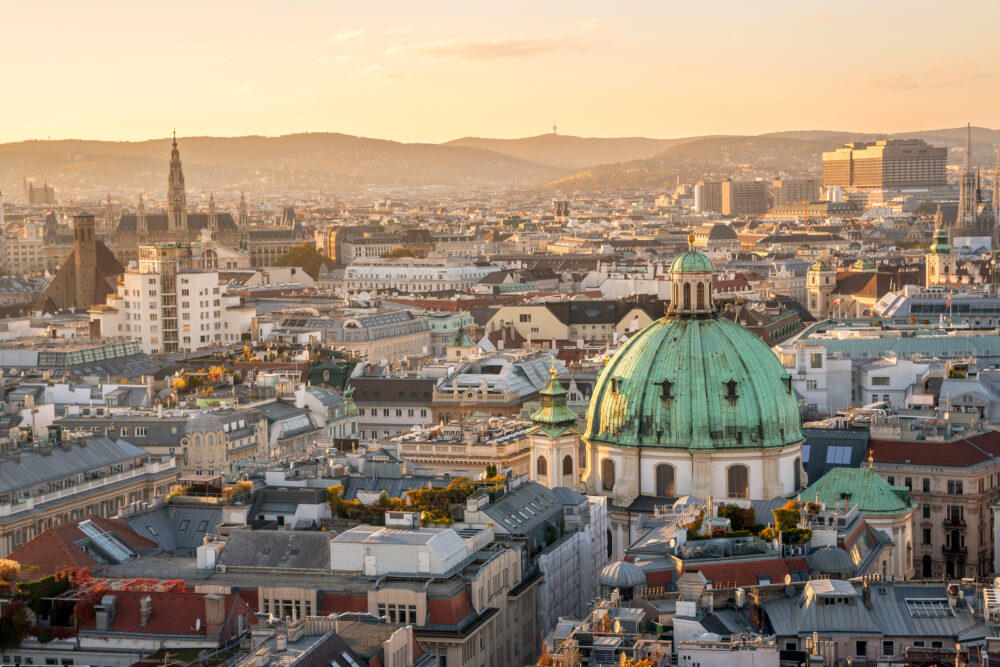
x: 104, y: 613
x: 145, y: 610
x: 215, y: 613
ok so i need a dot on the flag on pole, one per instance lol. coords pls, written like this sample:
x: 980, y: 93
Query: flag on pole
x: 948, y: 302
x: 836, y: 301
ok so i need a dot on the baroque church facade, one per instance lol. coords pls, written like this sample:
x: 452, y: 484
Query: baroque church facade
x: 263, y: 244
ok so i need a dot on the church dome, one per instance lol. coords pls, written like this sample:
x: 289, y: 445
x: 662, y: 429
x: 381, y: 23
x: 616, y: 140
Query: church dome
x: 694, y: 381
x: 690, y: 261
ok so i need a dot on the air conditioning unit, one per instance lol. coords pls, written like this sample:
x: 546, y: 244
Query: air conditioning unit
x: 220, y: 568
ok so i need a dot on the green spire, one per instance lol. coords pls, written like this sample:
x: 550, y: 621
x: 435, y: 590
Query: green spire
x: 941, y: 246
x: 553, y: 416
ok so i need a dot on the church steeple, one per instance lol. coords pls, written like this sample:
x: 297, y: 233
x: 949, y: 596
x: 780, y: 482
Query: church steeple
x: 242, y: 216
x: 967, y: 186
x: 553, y: 416
x: 213, y: 217
x: 141, y: 225
x: 176, y: 195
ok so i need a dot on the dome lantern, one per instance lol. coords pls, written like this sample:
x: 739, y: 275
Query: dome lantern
x: 691, y: 275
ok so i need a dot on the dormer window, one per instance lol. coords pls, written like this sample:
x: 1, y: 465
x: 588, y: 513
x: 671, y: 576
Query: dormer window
x: 731, y: 394
x: 615, y: 384
x: 666, y: 387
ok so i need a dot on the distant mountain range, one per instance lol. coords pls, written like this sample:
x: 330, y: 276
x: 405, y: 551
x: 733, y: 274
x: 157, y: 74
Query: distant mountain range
x: 338, y: 162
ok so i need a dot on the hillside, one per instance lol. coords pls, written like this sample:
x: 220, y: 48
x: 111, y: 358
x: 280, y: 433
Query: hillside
x: 317, y: 161
x: 573, y: 152
x: 721, y: 156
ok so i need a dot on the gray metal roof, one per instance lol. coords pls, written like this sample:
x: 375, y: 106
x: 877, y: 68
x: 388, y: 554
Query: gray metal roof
x: 176, y: 526
x: 36, y: 468
x: 896, y: 611
x: 277, y: 549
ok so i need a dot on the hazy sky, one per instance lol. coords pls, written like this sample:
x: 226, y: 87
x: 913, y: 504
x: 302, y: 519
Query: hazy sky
x: 429, y: 70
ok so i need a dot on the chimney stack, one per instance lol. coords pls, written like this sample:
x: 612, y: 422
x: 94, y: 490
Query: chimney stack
x: 145, y: 610
x: 215, y: 613
x: 104, y: 613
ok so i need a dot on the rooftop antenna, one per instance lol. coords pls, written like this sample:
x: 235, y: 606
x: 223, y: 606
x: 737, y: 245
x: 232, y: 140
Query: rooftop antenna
x: 554, y: 127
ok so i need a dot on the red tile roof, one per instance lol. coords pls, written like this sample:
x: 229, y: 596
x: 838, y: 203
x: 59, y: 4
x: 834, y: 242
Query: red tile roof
x: 746, y: 573
x: 173, y: 613
x: 961, y: 453
x: 55, y: 550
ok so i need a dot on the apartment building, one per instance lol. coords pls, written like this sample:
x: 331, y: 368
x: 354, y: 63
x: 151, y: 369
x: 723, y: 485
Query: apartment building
x: 953, y: 484
x: 410, y: 275
x: 43, y: 487
x: 170, y: 303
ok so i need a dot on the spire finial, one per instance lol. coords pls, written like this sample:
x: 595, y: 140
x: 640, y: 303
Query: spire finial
x: 690, y: 234
x: 871, y: 459
x: 552, y: 370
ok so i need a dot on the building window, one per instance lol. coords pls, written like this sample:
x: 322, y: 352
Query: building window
x: 816, y: 360
x: 525, y: 317
x: 541, y: 466
x: 888, y: 648
x: 861, y: 649
x: 927, y: 511
x: 927, y: 485
x: 927, y: 536
x: 665, y: 481
x: 607, y: 474
x: 567, y: 466
x: 738, y: 482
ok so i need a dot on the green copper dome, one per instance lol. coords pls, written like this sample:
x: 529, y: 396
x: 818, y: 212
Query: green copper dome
x: 862, y: 487
x: 695, y: 383
x: 689, y: 262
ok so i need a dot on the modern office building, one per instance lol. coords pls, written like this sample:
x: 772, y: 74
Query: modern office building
x: 745, y: 197
x: 885, y: 164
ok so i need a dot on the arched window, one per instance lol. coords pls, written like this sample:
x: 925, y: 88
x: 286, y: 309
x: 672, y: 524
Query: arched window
x: 798, y: 474
x: 607, y: 474
x: 737, y: 482
x: 665, y: 481
x: 687, y: 296
x: 209, y: 439
x: 701, y: 296
x: 542, y: 466
x: 197, y: 441
x: 567, y: 465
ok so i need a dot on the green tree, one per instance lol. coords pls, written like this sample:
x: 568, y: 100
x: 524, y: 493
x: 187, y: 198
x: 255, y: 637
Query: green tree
x: 307, y: 257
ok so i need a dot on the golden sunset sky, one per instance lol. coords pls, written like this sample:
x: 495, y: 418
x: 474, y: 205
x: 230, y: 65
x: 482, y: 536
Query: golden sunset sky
x: 429, y: 70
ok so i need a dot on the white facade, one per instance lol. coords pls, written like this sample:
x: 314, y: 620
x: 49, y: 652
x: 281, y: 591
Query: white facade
x: 376, y: 551
x: 823, y: 382
x: 412, y: 275
x: 169, y: 304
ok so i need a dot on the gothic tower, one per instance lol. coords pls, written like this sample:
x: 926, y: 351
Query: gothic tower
x: 141, y: 225
x: 213, y: 217
x: 176, y: 197
x: 85, y: 258
x: 243, y: 222
x: 108, y: 223
x: 967, y: 187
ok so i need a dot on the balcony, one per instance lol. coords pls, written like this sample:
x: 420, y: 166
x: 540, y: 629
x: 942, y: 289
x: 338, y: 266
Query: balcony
x: 951, y: 550
x: 954, y: 522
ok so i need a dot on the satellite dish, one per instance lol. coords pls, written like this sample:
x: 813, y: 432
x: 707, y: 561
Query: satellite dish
x: 788, y: 579
x: 197, y: 625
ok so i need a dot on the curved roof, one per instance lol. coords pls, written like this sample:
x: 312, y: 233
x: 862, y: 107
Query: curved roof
x: 691, y: 261
x: 697, y: 383
x: 831, y: 560
x: 719, y: 231
x: 204, y: 422
x: 622, y: 574
x: 862, y: 487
